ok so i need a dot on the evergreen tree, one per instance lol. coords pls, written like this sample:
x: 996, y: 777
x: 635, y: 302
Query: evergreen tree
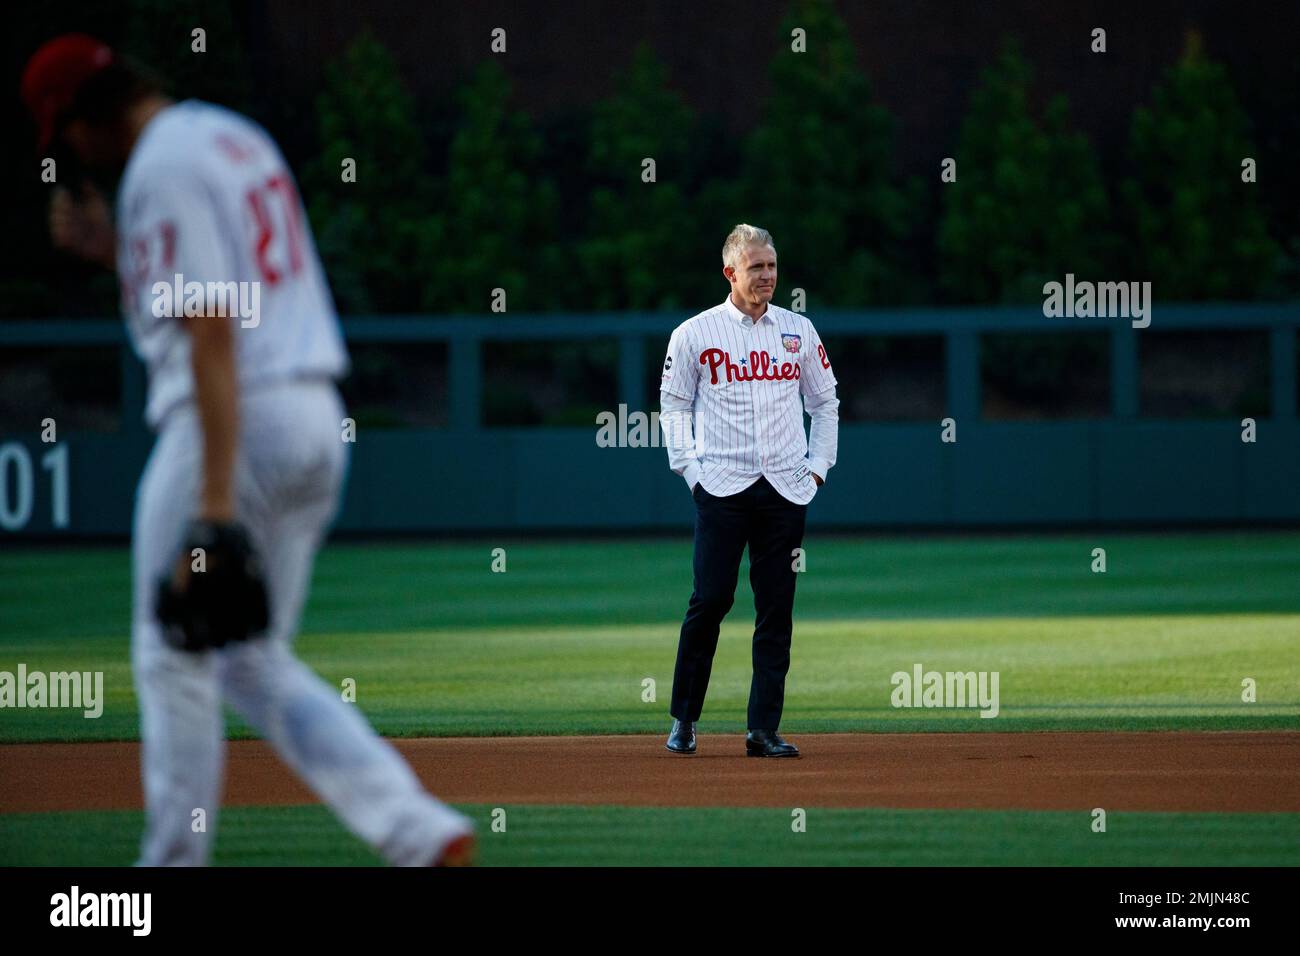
x: 1200, y: 231
x: 638, y: 237
x: 1028, y: 203
x: 816, y: 172
x: 495, y: 224
x: 370, y: 231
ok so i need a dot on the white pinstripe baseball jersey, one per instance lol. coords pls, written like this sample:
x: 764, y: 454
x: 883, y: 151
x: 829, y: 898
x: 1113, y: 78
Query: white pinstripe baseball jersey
x: 730, y: 402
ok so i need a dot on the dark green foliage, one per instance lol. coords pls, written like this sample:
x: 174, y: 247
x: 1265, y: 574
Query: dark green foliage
x: 1028, y: 204
x: 159, y: 36
x: 370, y: 231
x: 1201, y: 233
x: 451, y: 202
x: 636, y: 244
x: 495, y: 225
x: 817, y: 172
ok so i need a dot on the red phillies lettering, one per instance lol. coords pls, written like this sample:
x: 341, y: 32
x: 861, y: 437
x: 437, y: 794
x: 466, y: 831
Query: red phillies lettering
x: 759, y: 367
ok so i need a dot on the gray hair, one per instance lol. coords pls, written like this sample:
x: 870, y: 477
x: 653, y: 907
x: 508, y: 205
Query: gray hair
x: 743, y: 236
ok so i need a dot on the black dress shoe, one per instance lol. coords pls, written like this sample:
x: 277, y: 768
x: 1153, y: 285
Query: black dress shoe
x: 768, y: 743
x: 682, y: 739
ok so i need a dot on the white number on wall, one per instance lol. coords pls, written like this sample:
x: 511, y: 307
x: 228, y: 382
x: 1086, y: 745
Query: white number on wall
x: 17, y: 486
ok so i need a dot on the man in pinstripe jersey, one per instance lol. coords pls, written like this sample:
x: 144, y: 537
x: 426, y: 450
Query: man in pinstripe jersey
x: 736, y: 383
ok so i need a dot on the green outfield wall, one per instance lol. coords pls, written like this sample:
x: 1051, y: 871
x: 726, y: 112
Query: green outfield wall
x: 1121, y: 468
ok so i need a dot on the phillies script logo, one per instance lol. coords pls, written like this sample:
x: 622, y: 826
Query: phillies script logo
x: 759, y: 367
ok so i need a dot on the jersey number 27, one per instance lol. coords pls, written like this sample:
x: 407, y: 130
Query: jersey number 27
x: 276, y: 217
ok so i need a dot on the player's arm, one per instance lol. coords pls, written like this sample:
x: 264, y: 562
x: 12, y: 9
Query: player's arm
x: 216, y: 396
x: 677, y: 387
x: 229, y: 601
x: 200, y: 250
x: 817, y: 383
x: 823, y: 436
x: 675, y: 418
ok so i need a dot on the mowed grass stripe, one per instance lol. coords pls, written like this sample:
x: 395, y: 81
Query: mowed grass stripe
x: 79, y: 593
x: 1084, y: 673
x: 639, y: 836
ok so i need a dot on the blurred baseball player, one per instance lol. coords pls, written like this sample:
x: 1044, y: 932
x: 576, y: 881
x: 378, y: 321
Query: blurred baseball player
x: 736, y: 382
x: 246, y: 472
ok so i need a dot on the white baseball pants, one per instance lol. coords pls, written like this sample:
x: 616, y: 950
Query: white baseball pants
x: 290, y: 471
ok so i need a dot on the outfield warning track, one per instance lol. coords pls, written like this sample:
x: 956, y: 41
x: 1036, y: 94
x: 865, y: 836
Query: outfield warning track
x: 1175, y: 771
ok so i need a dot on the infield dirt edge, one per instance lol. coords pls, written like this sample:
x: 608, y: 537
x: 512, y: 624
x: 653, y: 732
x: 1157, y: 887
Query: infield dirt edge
x: 1175, y: 771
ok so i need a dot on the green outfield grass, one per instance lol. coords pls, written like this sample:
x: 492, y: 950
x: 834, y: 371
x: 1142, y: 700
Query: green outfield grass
x: 562, y: 642
x: 55, y: 592
x: 641, y: 836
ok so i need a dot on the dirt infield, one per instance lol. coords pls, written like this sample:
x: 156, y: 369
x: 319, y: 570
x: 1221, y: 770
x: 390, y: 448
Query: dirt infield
x: 1249, y: 772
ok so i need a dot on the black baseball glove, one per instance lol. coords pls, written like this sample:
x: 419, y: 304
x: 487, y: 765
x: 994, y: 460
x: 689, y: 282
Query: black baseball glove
x: 225, y: 601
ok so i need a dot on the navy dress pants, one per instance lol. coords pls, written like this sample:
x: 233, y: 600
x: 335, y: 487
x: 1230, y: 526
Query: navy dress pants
x: 772, y: 527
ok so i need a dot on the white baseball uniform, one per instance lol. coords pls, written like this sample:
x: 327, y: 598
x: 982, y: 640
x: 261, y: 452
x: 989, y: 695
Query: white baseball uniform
x: 206, y: 194
x: 730, y: 399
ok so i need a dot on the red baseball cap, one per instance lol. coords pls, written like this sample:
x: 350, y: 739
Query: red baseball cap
x: 55, y: 75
